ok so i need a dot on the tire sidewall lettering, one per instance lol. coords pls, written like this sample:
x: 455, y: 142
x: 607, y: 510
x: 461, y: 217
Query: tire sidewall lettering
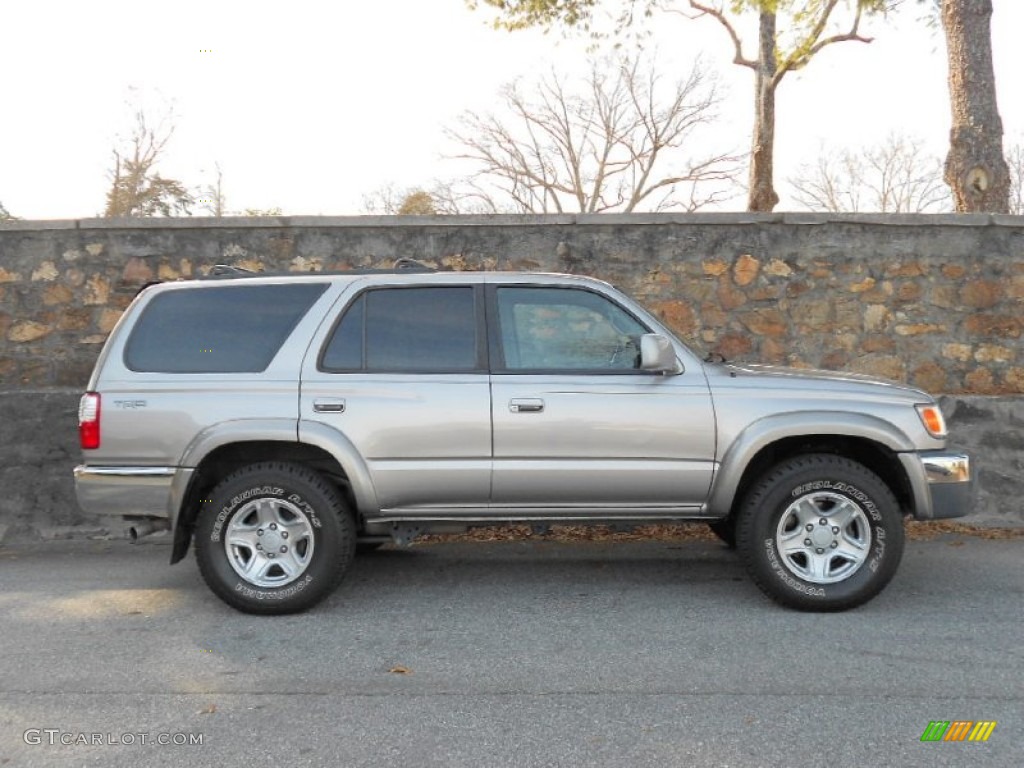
x: 851, y: 491
x: 283, y: 593
x: 263, y: 491
x: 787, y: 578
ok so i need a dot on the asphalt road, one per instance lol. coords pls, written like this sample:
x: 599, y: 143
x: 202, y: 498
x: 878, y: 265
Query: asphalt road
x: 508, y: 654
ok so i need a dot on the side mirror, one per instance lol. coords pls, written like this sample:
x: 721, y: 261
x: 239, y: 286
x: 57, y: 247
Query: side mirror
x: 657, y: 354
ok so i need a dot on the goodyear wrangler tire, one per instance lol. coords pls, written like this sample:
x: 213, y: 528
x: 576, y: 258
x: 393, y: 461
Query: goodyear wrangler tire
x: 274, y: 538
x: 820, y: 533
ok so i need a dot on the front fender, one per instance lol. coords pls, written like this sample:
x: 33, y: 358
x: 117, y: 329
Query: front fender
x: 771, y: 429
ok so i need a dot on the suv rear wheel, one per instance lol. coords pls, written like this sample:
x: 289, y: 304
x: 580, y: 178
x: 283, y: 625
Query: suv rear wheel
x: 274, y: 538
x: 820, y: 533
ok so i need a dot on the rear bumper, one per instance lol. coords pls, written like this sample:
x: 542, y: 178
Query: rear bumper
x: 942, y: 482
x: 142, y: 491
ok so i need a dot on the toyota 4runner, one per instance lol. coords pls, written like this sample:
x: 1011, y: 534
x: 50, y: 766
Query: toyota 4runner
x: 282, y: 422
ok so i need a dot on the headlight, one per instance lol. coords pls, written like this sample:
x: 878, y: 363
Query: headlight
x: 931, y: 417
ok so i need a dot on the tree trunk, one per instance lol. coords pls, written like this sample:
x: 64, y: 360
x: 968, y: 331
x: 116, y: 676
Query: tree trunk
x: 762, y: 195
x: 976, y: 170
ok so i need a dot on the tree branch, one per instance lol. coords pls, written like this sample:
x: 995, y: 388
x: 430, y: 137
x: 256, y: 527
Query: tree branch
x: 717, y: 15
x: 803, y: 53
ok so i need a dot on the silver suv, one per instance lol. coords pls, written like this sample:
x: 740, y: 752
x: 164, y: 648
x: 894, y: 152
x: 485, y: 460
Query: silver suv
x: 283, y: 421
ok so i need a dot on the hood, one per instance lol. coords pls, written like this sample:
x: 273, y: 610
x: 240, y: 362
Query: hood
x: 810, y: 377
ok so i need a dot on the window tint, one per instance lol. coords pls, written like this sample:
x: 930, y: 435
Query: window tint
x: 406, y: 329
x: 566, y: 329
x: 229, y: 329
x: 345, y: 350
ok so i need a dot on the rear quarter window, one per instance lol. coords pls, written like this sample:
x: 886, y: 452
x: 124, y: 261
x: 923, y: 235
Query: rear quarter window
x: 227, y: 329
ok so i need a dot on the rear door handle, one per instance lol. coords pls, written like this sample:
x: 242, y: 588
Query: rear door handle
x: 329, y: 405
x: 526, y: 405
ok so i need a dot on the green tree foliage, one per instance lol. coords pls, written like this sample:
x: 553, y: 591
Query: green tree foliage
x: 790, y: 33
x: 136, y: 188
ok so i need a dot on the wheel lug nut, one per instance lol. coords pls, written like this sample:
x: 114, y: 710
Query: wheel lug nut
x: 284, y: 534
x: 823, y: 521
x: 835, y: 544
x: 835, y: 529
x: 273, y: 526
x: 259, y: 532
x: 819, y: 550
x: 807, y: 542
x: 810, y: 527
x: 270, y: 555
x: 283, y: 550
x: 259, y: 546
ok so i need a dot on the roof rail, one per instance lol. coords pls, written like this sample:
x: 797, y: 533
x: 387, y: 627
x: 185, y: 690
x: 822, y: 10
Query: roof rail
x: 402, y: 265
x: 220, y: 270
x: 406, y: 264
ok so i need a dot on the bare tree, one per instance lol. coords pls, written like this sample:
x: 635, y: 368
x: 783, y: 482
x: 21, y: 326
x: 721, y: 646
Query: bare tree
x: 136, y: 188
x: 894, y: 176
x: 441, y: 198
x: 5, y: 214
x: 211, y: 196
x: 789, y: 34
x: 622, y: 143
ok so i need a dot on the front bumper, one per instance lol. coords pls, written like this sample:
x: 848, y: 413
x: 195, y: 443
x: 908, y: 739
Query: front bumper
x: 942, y: 483
x: 142, y: 491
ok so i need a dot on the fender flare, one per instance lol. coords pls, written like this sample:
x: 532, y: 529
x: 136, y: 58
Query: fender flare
x: 771, y: 429
x: 265, y: 430
x: 334, y: 442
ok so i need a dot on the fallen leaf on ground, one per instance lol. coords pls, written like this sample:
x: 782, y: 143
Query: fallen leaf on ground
x: 400, y: 670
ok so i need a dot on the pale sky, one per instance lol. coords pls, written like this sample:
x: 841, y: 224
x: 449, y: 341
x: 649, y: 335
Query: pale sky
x: 307, y: 105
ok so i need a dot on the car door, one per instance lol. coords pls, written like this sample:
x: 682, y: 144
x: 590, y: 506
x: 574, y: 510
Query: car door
x: 403, y: 376
x: 577, y: 424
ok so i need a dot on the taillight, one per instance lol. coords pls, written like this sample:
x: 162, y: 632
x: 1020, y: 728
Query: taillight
x: 89, y: 420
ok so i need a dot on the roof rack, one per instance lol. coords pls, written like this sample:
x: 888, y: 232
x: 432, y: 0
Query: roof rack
x: 402, y: 265
x: 405, y: 264
x: 221, y: 270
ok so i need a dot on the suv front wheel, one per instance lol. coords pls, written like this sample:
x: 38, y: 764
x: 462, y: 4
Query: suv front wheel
x: 274, y: 538
x: 820, y: 533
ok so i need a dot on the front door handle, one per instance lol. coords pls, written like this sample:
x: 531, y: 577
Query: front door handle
x: 329, y: 405
x: 526, y: 405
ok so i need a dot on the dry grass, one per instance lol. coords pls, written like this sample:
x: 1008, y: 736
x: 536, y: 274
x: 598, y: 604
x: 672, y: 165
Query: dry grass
x: 923, y: 531
x: 580, y: 533
x: 915, y: 530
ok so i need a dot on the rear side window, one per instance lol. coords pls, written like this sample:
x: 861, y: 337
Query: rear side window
x: 407, y: 330
x: 229, y: 329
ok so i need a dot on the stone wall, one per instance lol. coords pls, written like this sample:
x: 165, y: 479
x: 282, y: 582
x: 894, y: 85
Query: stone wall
x: 934, y: 300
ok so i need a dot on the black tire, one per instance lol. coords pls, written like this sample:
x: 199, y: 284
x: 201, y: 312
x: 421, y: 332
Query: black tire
x: 725, y: 530
x: 852, y: 555
x: 294, y: 499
